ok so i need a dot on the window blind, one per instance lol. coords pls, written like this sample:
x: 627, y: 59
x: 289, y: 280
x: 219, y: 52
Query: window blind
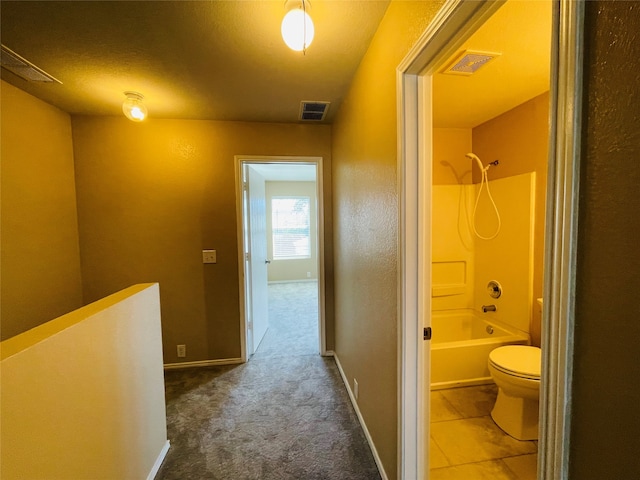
x: 290, y: 225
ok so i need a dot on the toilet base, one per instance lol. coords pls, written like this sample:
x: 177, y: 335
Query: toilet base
x: 517, y: 416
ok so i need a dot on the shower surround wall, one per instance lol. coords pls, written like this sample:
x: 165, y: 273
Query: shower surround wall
x: 464, y: 264
x: 518, y: 138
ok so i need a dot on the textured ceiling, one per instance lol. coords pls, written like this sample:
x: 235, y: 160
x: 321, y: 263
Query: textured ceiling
x: 225, y: 59
x: 222, y: 60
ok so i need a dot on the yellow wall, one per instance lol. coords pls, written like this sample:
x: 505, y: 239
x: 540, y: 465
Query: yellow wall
x: 519, y: 138
x: 40, y: 257
x: 152, y: 196
x: 366, y: 219
x: 83, y: 394
x: 284, y: 270
x: 450, y: 166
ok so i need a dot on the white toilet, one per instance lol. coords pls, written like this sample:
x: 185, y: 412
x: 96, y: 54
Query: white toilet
x: 516, y: 371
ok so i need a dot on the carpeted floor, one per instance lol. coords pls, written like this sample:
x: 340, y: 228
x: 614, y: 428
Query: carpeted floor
x: 283, y: 415
x: 293, y: 321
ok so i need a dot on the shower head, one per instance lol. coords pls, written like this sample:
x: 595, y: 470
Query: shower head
x: 473, y: 156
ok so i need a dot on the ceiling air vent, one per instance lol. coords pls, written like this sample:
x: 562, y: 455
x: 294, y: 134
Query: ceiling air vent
x: 468, y: 62
x: 313, y: 111
x: 24, y: 68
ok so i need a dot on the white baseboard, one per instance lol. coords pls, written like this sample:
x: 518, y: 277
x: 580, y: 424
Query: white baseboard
x: 203, y: 363
x: 158, y: 462
x: 354, y: 402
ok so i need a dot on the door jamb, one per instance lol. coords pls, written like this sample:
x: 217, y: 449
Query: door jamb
x: 453, y: 24
x: 240, y: 161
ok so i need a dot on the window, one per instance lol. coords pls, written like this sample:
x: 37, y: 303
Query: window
x: 290, y: 225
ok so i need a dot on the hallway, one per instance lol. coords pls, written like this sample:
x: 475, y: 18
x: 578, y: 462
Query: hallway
x: 283, y: 415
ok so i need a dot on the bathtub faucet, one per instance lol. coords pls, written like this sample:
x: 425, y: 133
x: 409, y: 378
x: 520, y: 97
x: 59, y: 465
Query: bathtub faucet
x: 488, y: 308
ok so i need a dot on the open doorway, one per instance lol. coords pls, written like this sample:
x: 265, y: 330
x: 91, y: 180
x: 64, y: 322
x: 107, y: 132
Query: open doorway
x: 490, y: 109
x: 455, y: 23
x: 279, y: 206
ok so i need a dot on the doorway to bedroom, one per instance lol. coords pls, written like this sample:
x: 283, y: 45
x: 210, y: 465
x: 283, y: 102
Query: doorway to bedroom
x: 280, y: 210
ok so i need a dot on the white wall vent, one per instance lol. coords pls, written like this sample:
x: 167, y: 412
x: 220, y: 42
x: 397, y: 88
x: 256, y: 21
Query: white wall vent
x: 468, y: 62
x: 23, y: 68
x: 313, y: 111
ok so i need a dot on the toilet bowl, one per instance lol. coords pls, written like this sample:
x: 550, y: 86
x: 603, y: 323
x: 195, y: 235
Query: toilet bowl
x: 516, y: 371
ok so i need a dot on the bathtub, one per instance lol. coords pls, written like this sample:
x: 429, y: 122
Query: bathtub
x: 460, y: 346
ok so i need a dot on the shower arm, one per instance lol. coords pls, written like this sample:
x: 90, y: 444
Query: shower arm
x: 483, y: 169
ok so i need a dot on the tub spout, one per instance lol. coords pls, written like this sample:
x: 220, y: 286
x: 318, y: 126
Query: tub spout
x: 488, y: 308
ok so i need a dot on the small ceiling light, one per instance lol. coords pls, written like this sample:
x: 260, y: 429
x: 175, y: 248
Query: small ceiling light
x: 297, y: 27
x: 133, y: 107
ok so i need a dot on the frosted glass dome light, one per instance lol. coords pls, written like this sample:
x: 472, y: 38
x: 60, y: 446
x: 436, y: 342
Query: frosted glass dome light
x: 133, y: 108
x: 297, y: 27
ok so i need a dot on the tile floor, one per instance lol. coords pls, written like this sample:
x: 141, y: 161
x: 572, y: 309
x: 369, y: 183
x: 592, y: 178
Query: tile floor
x: 466, y: 444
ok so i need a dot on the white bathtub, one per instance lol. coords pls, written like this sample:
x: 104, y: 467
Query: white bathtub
x: 460, y: 347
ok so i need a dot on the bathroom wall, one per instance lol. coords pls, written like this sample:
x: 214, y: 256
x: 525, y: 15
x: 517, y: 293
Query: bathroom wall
x: 450, y: 166
x: 293, y: 269
x: 452, y: 247
x: 519, y: 138
x: 463, y: 264
x: 40, y: 256
x: 507, y: 258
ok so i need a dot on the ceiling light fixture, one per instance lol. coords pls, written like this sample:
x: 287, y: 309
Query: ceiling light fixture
x: 133, y: 107
x: 297, y: 27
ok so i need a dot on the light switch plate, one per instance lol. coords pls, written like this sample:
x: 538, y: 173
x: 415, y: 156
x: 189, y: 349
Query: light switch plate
x: 209, y: 256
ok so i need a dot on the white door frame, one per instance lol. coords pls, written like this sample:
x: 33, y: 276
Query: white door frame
x: 453, y: 24
x: 256, y: 264
x: 240, y: 161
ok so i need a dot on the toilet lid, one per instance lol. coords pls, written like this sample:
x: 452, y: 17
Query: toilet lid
x: 519, y: 360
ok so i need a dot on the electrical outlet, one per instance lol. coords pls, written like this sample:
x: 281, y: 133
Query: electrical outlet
x: 355, y: 388
x: 182, y: 351
x: 308, y: 274
x: 209, y: 256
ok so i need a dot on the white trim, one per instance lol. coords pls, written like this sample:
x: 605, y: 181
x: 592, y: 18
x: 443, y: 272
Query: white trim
x: 354, y: 402
x: 158, y: 463
x: 456, y: 20
x: 321, y: 273
x: 203, y: 363
x: 454, y: 23
x: 409, y: 401
x: 445, y: 34
x: 561, y: 241
x: 423, y: 299
x: 241, y: 160
x: 241, y: 260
